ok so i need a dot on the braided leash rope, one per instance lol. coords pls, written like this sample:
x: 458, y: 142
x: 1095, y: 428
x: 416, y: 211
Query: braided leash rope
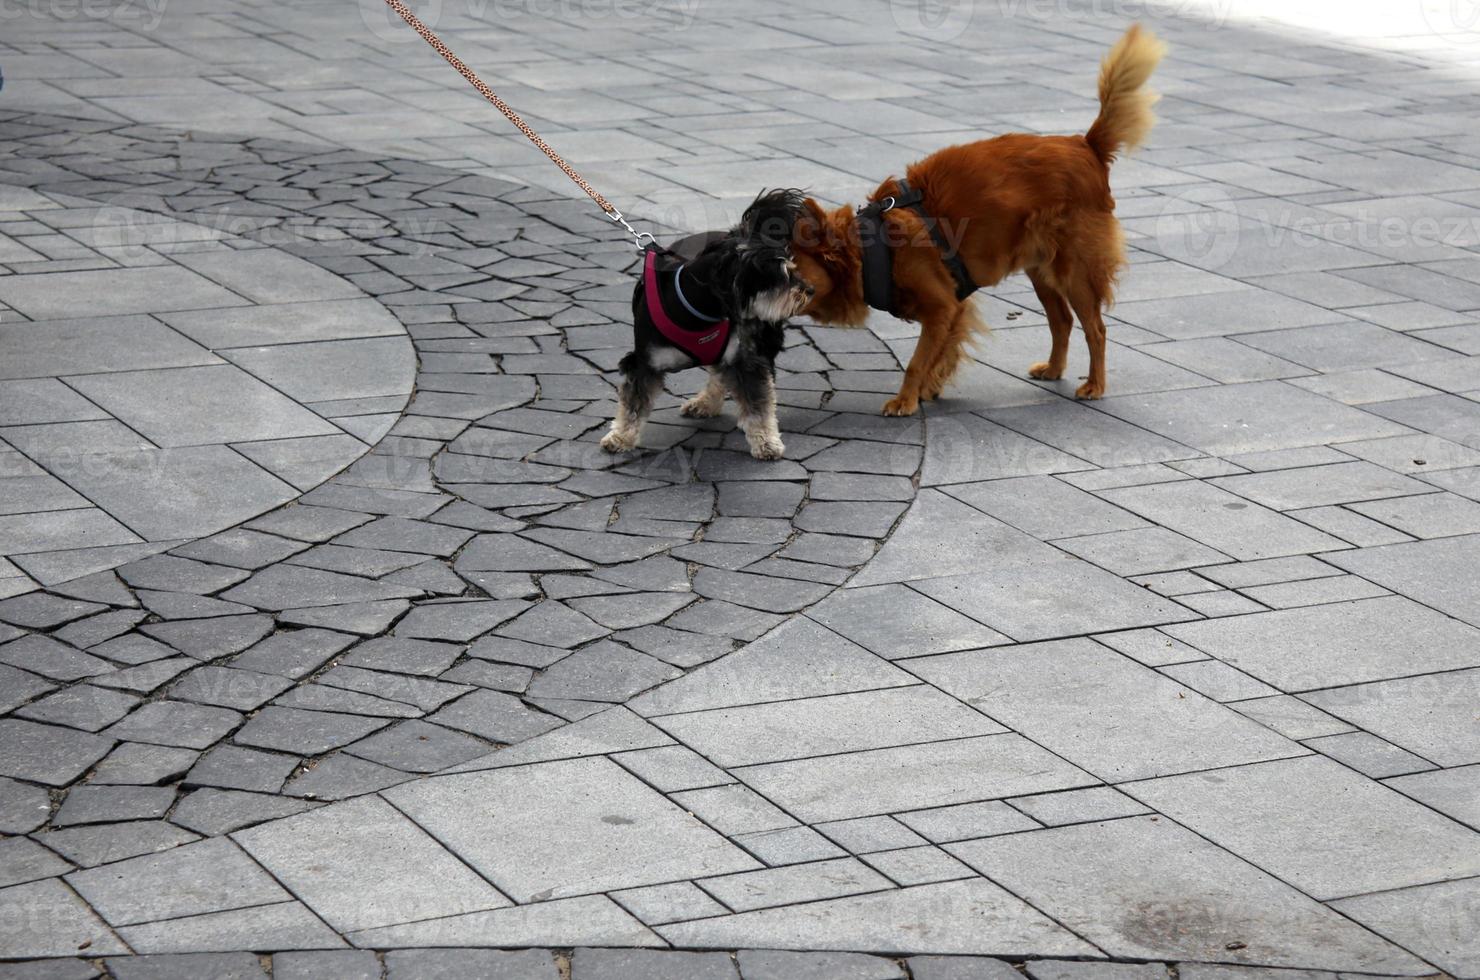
x: 431, y: 38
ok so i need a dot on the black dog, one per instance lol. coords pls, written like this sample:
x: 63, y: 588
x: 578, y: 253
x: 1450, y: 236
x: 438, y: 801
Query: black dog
x: 720, y: 299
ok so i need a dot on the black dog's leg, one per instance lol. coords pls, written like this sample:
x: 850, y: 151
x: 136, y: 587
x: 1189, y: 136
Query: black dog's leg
x: 754, y: 386
x: 709, y: 402
x: 640, y: 385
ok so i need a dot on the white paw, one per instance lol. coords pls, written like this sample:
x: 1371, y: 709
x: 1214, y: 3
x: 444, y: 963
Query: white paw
x: 700, y: 408
x: 616, y: 442
x: 767, y: 449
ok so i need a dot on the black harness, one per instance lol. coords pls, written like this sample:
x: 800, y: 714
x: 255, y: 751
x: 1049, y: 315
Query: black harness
x: 878, y: 253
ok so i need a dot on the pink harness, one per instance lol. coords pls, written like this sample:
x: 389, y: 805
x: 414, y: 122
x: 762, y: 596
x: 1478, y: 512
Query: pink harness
x: 707, y: 345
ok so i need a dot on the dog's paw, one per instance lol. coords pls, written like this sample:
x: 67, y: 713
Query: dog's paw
x: 701, y: 408
x: 1089, y: 391
x: 1044, y: 371
x: 616, y: 442
x: 768, y: 449
x: 900, y: 405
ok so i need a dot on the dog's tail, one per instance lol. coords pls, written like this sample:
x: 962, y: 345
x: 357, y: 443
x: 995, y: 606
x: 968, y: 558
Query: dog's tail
x: 1125, y: 104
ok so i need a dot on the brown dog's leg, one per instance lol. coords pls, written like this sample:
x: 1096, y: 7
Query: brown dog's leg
x: 964, y: 329
x: 935, y: 329
x: 1060, y: 323
x: 1087, y: 306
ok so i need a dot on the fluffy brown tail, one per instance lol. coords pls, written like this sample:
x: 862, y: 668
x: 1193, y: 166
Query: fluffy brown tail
x: 1125, y: 105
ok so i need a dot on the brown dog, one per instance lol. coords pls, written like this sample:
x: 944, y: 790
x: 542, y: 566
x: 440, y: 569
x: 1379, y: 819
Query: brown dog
x: 1039, y: 204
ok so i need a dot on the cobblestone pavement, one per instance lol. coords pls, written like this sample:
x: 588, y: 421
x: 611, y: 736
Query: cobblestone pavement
x: 1185, y: 677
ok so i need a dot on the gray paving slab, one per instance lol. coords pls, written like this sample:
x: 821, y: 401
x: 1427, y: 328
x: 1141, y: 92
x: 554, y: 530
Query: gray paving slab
x: 1429, y: 715
x: 1219, y: 519
x: 825, y: 726
x: 945, y: 917
x: 1326, y: 844
x: 592, y: 919
x: 1256, y: 417
x: 1087, y: 876
x: 1432, y: 920
x: 53, y: 921
x: 515, y: 833
x: 1331, y: 645
x: 887, y: 780
x: 769, y: 670
x: 216, y: 876
x: 1146, y: 724
x: 199, y: 405
x: 1067, y: 597
x: 361, y: 865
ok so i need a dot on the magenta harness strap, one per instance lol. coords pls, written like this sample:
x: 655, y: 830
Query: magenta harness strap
x: 706, y: 346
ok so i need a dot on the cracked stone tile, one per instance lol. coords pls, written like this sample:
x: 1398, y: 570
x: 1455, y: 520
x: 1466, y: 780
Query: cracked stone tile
x: 176, y: 723
x: 416, y: 746
x: 207, y: 639
x: 214, y: 812
x: 106, y: 843
x: 47, y: 754
x: 233, y: 767
x: 364, y: 618
x: 138, y: 764
x: 55, y: 661
x: 403, y: 656
x: 495, y: 716
x: 305, y: 732
x: 279, y: 587
x: 139, y: 889
x: 133, y: 649
x: 81, y: 706
x: 458, y: 620
x: 602, y: 672
x: 105, y: 804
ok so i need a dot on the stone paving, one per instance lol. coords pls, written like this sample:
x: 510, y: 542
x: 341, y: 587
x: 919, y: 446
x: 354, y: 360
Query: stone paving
x: 1185, y: 679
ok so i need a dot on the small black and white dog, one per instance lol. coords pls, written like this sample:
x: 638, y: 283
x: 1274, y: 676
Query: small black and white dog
x: 720, y: 299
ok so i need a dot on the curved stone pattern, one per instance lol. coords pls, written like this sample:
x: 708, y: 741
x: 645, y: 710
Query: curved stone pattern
x: 164, y: 380
x: 487, y: 573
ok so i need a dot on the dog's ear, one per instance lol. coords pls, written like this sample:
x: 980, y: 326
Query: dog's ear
x: 812, y: 226
x: 771, y: 217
